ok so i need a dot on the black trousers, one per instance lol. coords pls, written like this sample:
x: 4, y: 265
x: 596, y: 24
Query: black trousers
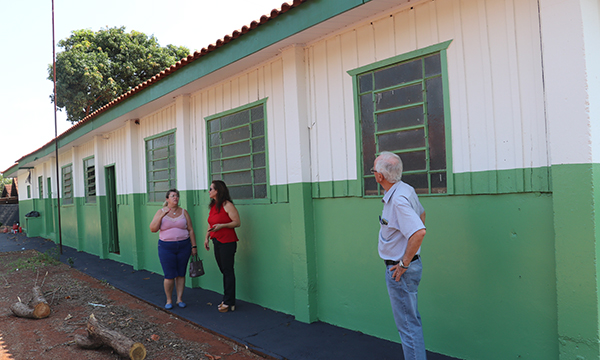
x: 225, y: 255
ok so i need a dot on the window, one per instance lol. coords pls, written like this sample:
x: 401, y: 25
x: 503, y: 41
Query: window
x: 67, y: 184
x: 237, y: 151
x: 41, y: 186
x: 29, y: 191
x: 89, y: 178
x: 161, y: 171
x: 401, y: 109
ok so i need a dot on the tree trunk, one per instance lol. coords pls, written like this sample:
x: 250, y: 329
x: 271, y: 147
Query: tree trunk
x: 98, y: 334
x: 22, y: 310
x: 38, y: 307
x: 41, y: 309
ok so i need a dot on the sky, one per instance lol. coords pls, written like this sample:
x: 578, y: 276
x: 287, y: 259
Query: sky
x: 26, y: 113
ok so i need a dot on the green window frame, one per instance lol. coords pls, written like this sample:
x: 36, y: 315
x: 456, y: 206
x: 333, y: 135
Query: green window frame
x: 67, y: 184
x: 41, y: 186
x: 89, y: 179
x: 237, y: 151
x: 402, y: 107
x: 161, y: 165
x: 29, y: 191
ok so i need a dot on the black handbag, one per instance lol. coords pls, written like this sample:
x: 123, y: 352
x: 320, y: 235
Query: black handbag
x: 196, y: 267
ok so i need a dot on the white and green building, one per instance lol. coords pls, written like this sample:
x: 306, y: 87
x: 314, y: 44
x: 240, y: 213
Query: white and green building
x: 494, y: 105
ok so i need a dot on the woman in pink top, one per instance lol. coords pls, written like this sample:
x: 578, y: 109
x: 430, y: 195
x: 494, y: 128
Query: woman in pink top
x: 177, y: 242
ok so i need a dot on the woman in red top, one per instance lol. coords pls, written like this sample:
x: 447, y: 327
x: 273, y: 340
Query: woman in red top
x: 223, y: 218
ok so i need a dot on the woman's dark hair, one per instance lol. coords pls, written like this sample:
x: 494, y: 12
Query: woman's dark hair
x: 222, y: 195
x: 169, y: 193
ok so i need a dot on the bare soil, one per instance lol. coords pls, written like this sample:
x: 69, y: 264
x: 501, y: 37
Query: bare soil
x: 73, y: 297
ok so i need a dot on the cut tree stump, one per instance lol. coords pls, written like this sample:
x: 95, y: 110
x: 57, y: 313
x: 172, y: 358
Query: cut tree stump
x: 41, y: 309
x: 99, y: 335
x: 38, y: 307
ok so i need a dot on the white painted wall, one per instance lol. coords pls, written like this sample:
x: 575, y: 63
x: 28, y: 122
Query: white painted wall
x: 495, y: 79
x: 496, y: 94
x: 263, y: 81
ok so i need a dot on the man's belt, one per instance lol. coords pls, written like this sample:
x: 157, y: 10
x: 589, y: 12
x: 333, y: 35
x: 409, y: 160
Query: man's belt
x: 392, y: 262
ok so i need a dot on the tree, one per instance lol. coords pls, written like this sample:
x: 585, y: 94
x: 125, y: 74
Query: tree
x: 96, y: 67
x: 4, y: 181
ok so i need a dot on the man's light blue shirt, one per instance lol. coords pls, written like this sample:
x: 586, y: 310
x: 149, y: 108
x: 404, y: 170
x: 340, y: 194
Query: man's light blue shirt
x: 400, y: 219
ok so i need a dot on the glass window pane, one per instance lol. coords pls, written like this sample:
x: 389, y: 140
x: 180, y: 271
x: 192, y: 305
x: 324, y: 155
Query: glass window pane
x: 161, y: 175
x: 368, y: 132
x: 399, y: 74
x: 438, y: 183
x: 258, y: 128
x: 238, y: 178
x: 215, y: 139
x: 400, y: 118
x: 260, y: 176
x: 161, y: 164
x: 433, y: 65
x: 160, y: 142
x: 258, y: 113
x: 260, y: 191
x: 161, y: 186
x: 258, y: 160
x: 258, y: 144
x: 214, y: 125
x: 234, y: 120
x: 240, y: 192
x: 402, y: 140
x: 365, y: 82
x: 171, y: 138
x: 414, y: 161
x: 435, y: 120
x: 160, y: 154
x: 236, y: 149
x: 236, y: 164
x: 371, y: 186
x: 418, y: 181
x: 214, y: 154
x: 235, y: 134
x: 399, y: 97
x: 215, y: 166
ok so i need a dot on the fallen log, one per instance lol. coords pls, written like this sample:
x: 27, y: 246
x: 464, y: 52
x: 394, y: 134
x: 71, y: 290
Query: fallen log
x: 38, y: 307
x: 99, y: 335
x: 41, y: 309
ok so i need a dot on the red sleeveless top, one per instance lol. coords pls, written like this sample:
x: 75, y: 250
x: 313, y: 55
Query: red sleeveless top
x: 225, y: 235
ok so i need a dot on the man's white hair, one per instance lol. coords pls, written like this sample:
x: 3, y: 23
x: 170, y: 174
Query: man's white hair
x: 390, y: 166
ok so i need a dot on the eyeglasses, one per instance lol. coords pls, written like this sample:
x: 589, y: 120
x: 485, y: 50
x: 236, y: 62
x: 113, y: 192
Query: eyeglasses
x: 373, y: 171
x: 211, y: 189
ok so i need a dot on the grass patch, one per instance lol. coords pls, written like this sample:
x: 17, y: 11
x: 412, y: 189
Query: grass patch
x: 50, y: 257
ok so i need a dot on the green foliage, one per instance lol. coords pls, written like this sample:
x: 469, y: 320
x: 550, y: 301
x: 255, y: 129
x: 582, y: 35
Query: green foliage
x: 96, y: 67
x: 4, y: 181
x: 50, y: 257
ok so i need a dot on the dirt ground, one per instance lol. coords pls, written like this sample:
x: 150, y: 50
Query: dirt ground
x: 73, y: 297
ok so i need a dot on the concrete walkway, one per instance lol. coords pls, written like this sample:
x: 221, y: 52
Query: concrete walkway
x: 268, y: 332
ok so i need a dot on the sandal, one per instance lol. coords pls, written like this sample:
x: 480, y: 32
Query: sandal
x: 225, y: 308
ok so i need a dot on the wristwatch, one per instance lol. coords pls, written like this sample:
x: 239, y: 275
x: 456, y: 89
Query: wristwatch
x: 401, y: 263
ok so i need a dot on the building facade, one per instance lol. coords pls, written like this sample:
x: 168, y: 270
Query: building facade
x: 492, y: 104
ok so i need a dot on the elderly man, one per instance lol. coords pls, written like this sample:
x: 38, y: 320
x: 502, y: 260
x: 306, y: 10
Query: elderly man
x: 400, y: 237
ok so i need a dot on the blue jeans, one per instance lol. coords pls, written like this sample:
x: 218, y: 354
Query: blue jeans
x: 403, y: 296
x: 174, y: 257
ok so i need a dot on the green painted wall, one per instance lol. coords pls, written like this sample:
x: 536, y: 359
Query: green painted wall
x: 577, y: 191
x: 489, y: 264
x: 488, y: 288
